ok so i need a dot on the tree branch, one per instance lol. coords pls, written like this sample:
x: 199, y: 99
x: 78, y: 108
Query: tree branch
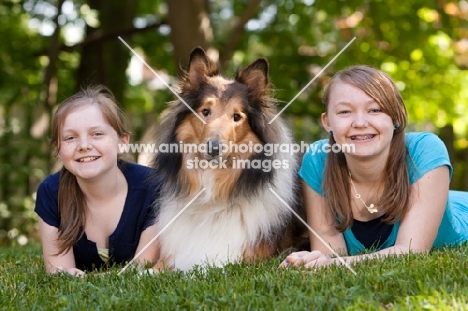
x: 99, y: 36
x: 238, y: 31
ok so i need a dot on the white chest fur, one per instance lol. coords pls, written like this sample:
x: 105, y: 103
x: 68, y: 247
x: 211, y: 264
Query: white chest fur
x: 214, y: 233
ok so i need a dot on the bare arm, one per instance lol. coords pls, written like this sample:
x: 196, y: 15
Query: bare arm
x: 420, y: 225
x: 56, y: 263
x: 322, y: 221
x: 419, y: 228
x: 417, y: 231
x: 148, y: 246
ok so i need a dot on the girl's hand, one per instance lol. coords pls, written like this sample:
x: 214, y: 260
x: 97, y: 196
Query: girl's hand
x: 308, y: 260
x: 71, y: 271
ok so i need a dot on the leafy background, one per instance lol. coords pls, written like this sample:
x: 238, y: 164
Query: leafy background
x: 52, y: 47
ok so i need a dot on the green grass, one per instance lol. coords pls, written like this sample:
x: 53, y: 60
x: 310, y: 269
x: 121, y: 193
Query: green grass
x: 438, y: 281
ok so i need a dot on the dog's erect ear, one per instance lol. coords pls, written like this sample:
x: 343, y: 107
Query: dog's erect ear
x: 200, y: 66
x: 255, y: 76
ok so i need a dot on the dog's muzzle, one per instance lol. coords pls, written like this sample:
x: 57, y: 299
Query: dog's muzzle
x: 214, y: 148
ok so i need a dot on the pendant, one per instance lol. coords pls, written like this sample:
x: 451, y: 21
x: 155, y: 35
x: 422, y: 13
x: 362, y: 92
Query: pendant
x: 372, y: 209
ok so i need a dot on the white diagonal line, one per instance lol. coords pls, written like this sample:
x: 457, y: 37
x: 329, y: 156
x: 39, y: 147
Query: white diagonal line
x: 162, y: 80
x: 310, y: 82
x: 313, y: 231
x: 162, y: 230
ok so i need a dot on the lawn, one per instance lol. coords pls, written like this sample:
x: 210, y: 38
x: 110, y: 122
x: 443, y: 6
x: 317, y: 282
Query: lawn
x: 438, y: 281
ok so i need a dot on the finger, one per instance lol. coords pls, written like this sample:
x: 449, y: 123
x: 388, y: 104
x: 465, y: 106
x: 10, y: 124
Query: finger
x: 311, y: 265
x: 322, y: 261
x: 308, y: 257
x: 316, y: 253
x: 285, y: 264
x: 299, y: 262
x: 299, y: 254
x: 76, y: 272
x: 293, y: 257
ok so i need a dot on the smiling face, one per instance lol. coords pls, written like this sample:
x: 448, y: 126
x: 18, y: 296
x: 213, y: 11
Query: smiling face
x: 88, y: 144
x: 356, y: 118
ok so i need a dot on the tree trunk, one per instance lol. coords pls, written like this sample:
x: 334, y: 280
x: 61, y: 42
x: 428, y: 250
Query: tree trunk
x: 190, y: 27
x: 105, y: 62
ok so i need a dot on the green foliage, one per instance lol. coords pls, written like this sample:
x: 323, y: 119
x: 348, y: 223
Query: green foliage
x: 412, y: 282
x: 413, y: 42
x: 20, y: 84
x: 419, y: 43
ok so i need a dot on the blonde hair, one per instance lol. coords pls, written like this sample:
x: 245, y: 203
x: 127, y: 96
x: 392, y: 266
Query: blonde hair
x: 395, y: 179
x: 71, y: 201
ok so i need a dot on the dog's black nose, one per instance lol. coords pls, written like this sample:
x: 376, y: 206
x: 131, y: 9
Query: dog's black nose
x: 214, y: 148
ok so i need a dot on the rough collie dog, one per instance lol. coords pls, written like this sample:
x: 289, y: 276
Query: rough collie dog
x: 235, y: 215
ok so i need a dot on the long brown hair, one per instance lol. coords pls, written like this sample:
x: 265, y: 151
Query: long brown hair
x: 336, y: 186
x: 71, y: 200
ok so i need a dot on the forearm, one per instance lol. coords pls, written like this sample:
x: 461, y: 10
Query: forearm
x: 55, y: 267
x: 147, y: 251
x: 59, y: 263
x: 384, y: 253
x: 54, y: 262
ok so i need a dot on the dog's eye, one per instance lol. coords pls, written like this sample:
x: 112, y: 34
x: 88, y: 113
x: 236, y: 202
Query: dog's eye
x: 205, y: 112
x: 236, y: 117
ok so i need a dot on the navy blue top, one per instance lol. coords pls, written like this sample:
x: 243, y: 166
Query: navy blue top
x: 136, y: 216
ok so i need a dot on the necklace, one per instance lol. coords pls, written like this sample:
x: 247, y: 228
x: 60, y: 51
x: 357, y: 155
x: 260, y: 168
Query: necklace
x: 371, y: 208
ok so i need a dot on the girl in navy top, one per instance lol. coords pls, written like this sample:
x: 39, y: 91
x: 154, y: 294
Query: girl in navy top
x: 389, y: 195
x: 97, y: 210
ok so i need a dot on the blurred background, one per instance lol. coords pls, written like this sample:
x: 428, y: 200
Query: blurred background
x: 49, y: 48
